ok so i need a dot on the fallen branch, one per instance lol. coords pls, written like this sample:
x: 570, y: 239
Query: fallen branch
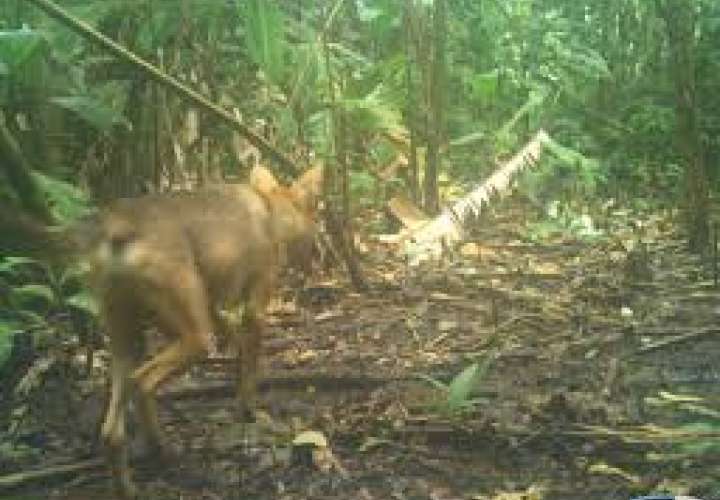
x: 292, y: 382
x: 711, y: 330
x: 18, y: 479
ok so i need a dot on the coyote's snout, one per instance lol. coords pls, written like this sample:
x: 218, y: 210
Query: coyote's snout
x: 176, y: 261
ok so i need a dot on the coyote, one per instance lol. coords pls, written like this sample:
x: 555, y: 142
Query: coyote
x: 175, y: 261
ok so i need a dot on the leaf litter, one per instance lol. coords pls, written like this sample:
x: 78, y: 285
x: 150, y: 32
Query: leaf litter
x: 393, y: 394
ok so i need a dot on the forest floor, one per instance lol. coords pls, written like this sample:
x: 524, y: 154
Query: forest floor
x: 601, y: 382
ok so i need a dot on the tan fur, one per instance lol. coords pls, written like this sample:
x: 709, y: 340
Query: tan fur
x: 176, y: 261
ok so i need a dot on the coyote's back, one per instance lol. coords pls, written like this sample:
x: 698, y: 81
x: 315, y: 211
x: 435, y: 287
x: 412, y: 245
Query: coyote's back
x: 226, y: 238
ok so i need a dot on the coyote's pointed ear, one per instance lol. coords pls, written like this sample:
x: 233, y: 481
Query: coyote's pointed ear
x: 308, y: 188
x: 263, y: 180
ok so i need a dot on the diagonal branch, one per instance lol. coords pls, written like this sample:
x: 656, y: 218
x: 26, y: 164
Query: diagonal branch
x: 87, y: 31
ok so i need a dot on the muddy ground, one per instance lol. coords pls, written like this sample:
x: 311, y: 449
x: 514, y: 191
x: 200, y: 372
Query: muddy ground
x: 590, y: 342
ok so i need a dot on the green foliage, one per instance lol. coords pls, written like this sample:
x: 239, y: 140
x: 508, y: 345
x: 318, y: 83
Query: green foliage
x: 22, y: 61
x: 18, y: 48
x: 586, y: 170
x: 8, y: 329
x: 265, y: 38
x: 12, y: 452
x: 456, y: 396
x: 559, y: 186
x: 363, y: 187
x: 561, y: 220
x: 483, y: 87
x: 67, y: 202
x: 95, y: 112
x: 371, y: 113
x: 568, y: 173
x: 698, y: 422
x: 36, y: 296
x: 382, y: 20
x: 306, y: 58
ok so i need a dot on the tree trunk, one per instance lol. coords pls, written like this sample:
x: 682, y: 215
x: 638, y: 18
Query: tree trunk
x: 412, y: 177
x: 337, y: 212
x: 680, y: 20
x: 437, y: 93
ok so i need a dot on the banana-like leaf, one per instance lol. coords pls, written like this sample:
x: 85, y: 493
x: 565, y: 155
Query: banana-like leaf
x: 84, y: 302
x: 8, y: 329
x: 18, y: 47
x: 484, y: 86
x: 11, y: 265
x: 265, y: 38
x: 93, y: 111
x: 67, y: 202
x: 32, y: 292
x: 462, y: 385
x: 372, y: 112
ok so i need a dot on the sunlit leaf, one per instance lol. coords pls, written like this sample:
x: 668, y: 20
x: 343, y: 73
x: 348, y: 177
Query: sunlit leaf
x: 84, y: 302
x: 17, y: 47
x: 93, y: 111
x: 265, y: 37
x: 33, y: 291
x: 12, y: 264
x: 8, y: 328
x: 66, y: 201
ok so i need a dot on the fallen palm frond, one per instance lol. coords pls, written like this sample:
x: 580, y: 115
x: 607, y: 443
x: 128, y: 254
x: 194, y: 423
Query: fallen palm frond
x: 428, y: 240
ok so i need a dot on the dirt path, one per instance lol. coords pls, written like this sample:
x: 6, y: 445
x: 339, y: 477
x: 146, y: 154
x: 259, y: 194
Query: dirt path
x: 576, y: 331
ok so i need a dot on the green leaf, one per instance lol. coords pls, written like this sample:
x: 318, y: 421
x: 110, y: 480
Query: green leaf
x: 67, y: 202
x: 19, y: 47
x: 700, y: 445
x: 383, y: 18
x: 463, y: 384
x: 32, y: 319
x: 8, y: 329
x: 484, y: 86
x: 11, y: 265
x: 93, y: 111
x: 265, y: 38
x: 434, y: 382
x: 84, y: 302
x: 373, y: 112
x: 34, y: 291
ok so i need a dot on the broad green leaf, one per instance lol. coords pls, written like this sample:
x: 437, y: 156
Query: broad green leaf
x: 8, y: 329
x: 484, y: 86
x: 265, y: 38
x: 461, y: 386
x: 382, y: 18
x: 699, y: 445
x: 84, y: 302
x: 66, y: 201
x: 372, y: 112
x: 18, y: 47
x: 31, y: 319
x: 34, y: 291
x: 11, y: 265
x: 93, y: 111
